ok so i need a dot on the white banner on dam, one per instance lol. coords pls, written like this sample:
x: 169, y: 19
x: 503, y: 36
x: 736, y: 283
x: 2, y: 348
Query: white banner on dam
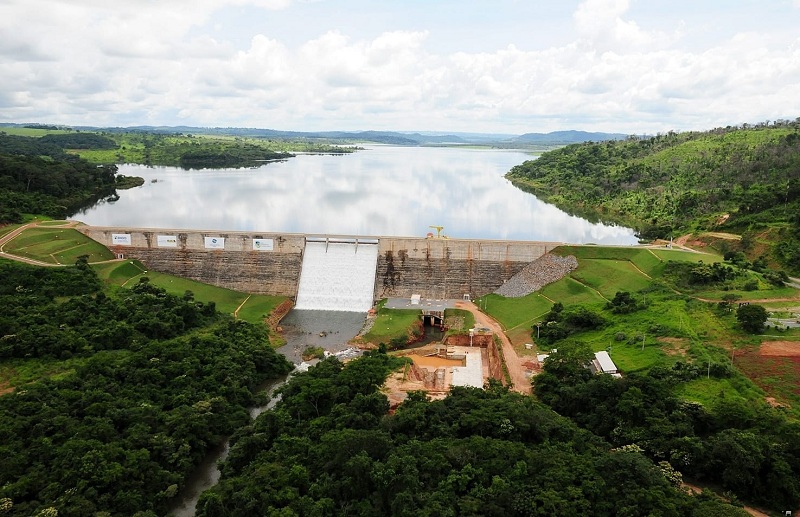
x: 262, y: 244
x: 167, y: 241
x: 121, y: 239
x: 215, y: 243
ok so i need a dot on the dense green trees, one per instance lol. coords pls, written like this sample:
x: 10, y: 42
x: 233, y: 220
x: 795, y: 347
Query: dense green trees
x: 122, y: 432
x: 562, y: 322
x: 39, y: 177
x: 750, y: 450
x: 752, y: 317
x: 329, y: 448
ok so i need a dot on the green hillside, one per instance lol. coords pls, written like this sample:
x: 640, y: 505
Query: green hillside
x: 734, y: 179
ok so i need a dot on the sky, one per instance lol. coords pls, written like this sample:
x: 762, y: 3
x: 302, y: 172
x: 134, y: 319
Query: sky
x: 479, y: 66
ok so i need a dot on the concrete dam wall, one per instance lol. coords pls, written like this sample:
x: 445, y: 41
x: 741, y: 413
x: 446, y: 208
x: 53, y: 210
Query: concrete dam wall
x: 271, y: 263
x: 450, y: 268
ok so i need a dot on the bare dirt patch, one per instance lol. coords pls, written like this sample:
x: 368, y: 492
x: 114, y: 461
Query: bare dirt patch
x: 772, y: 401
x: 674, y: 345
x: 5, y: 388
x: 780, y: 348
x: 775, y: 369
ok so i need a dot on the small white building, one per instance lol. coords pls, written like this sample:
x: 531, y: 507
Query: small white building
x: 603, y: 364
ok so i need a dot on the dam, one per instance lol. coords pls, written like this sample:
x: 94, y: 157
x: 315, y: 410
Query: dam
x: 275, y: 263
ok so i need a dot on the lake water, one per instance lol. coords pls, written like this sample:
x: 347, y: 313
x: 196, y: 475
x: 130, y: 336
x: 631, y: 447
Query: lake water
x: 383, y: 190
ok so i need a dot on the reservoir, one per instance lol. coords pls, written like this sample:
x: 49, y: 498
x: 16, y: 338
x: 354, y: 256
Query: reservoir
x: 382, y: 190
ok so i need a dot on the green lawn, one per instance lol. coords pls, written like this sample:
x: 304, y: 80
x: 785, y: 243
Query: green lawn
x: 569, y: 291
x: 610, y: 276
x: 258, y: 307
x: 687, y: 256
x: 764, y: 292
x: 56, y: 246
x: 710, y: 391
x: 8, y: 229
x: 29, y: 131
x: 465, y: 318
x: 632, y: 358
x: 515, y: 312
x: 391, y: 323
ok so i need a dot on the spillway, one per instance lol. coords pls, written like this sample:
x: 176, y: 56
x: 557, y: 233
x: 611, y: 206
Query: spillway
x: 337, y: 276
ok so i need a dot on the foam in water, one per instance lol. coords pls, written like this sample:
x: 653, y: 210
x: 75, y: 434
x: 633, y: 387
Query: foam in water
x: 337, y: 276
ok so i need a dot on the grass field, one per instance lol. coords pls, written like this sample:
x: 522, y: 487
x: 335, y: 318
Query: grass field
x: 610, y: 276
x: 709, y: 392
x: 390, y: 324
x: 464, y: 319
x: 8, y: 229
x: 570, y: 291
x: 56, y: 246
x: 514, y: 313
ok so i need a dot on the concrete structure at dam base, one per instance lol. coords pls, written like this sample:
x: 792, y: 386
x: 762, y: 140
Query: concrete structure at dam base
x: 271, y: 263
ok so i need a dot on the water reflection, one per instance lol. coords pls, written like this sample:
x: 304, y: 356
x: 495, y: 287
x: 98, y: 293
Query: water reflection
x: 384, y: 190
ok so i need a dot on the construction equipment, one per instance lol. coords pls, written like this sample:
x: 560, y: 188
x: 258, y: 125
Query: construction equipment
x: 438, y: 232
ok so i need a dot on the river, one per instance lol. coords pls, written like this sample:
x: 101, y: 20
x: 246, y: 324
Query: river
x: 207, y: 474
x: 382, y: 190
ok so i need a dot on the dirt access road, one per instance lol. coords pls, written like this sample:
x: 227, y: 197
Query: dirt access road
x: 519, y: 381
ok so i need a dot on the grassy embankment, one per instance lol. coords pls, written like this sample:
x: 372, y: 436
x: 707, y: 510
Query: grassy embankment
x: 671, y: 326
x: 58, y: 246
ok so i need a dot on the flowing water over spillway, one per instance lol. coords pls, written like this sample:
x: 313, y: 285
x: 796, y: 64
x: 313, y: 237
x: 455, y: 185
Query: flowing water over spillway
x: 337, y: 276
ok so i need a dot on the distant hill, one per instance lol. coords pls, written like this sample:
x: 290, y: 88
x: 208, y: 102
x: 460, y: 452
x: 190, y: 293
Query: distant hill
x: 410, y: 138
x: 568, y: 137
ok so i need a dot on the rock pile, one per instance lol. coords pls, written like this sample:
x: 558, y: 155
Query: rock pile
x: 542, y: 271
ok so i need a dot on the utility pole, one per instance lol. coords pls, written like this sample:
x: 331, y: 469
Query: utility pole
x: 642, y: 342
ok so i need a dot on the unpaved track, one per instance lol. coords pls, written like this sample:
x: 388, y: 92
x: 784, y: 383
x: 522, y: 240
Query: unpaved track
x: 519, y: 382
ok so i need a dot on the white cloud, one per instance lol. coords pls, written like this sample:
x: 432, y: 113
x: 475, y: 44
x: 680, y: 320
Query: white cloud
x: 95, y: 62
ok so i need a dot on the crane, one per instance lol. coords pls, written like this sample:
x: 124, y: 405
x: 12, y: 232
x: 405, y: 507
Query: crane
x: 438, y: 231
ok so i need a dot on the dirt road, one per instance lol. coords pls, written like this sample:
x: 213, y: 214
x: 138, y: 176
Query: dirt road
x: 520, y: 383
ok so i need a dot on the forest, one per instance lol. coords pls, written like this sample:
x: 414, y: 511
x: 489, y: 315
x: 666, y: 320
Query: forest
x: 330, y: 448
x: 728, y: 179
x: 38, y: 177
x: 156, y: 381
